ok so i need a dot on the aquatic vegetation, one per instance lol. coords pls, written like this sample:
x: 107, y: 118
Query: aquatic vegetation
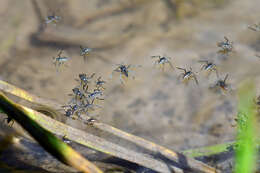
x: 246, y: 150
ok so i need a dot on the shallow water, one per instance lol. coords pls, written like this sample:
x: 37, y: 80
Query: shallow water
x: 155, y: 105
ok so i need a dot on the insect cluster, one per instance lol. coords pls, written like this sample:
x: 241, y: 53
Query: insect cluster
x: 84, y: 98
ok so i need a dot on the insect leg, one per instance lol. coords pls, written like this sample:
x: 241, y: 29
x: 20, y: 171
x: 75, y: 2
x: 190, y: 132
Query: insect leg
x: 195, y: 78
x: 170, y: 64
x: 84, y: 58
x: 121, y: 79
x: 217, y: 72
x: 225, y: 78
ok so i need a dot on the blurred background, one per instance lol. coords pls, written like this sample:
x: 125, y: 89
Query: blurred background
x: 155, y: 105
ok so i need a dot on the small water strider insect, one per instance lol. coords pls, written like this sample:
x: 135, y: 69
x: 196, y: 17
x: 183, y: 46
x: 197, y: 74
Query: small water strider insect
x: 58, y: 61
x: 90, y: 121
x: 77, y: 95
x: 89, y: 106
x: 123, y: 69
x: 76, y: 91
x: 187, y: 75
x: 69, y: 112
x: 84, y: 52
x: 66, y: 140
x: 209, y: 66
x: 100, y: 83
x: 162, y: 60
x: 96, y: 94
x: 222, y: 83
x: 52, y: 19
x: 85, y: 80
x: 72, y: 109
x: 226, y: 46
x: 254, y: 27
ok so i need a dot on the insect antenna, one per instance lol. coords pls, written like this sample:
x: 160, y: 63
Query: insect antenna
x: 217, y: 72
x: 196, y: 80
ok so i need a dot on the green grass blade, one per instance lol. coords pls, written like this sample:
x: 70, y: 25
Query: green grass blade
x: 209, y: 150
x: 246, y: 149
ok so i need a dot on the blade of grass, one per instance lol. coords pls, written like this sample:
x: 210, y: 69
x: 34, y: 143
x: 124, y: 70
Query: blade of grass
x: 46, y: 139
x: 209, y: 150
x: 214, y: 149
x: 166, y: 153
x: 246, y: 152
